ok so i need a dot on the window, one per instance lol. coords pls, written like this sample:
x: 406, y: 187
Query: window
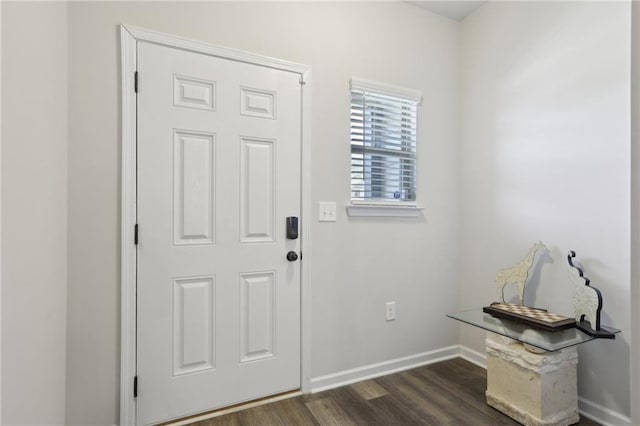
x: 383, y: 143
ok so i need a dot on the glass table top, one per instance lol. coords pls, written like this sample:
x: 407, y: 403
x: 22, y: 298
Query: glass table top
x: 546, y: 340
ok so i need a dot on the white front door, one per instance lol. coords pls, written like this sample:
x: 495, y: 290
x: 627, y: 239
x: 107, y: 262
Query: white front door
x: 218, y: 174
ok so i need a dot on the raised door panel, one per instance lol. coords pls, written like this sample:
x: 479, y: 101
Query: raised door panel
x: 193, y: 325
x: 258, y: 103
x: 194, y: 93
x: 194, y: 188
x: 257, y: 190
x: 257, y: 318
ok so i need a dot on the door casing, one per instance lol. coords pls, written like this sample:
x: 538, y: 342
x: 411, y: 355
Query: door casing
x: 129, y: 36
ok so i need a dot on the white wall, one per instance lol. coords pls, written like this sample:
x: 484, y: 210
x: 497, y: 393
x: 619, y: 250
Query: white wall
x: 34, y: 212
x: 356, y: 264
x: 544, y: 155
x: 545, y: 95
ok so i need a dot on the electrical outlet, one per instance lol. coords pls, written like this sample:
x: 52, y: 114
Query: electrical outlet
x: 327, y: 211
x: 390, y: 309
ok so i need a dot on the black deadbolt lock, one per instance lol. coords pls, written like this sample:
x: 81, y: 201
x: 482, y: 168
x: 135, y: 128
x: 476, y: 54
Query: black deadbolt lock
x: 292, y: 227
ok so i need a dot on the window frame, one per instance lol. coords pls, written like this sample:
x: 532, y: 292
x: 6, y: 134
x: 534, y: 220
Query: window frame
x: 384, y: 206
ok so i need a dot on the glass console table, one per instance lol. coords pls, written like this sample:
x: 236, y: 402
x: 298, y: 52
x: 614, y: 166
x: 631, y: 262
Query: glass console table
x: 545, y: 340
x: 535, y: 383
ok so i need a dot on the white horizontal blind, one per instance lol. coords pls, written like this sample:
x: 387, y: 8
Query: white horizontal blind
x: 383, y: 145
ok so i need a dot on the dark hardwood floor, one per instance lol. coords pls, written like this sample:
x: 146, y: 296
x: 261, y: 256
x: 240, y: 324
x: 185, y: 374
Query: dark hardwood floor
x: 446, y: 393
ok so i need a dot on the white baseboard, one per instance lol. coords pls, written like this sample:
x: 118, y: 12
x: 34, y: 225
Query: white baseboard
x: 371, y: 371
x: 474, y: 357
x: 600, y: 414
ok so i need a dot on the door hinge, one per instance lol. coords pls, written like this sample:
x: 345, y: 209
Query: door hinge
x: 135, y: 234
x: 135, y: 386
x: 302, y: 82
x: 135, y: 81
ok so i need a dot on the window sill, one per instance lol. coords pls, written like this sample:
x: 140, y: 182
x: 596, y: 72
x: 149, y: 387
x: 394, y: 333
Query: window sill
x: 383, y: 210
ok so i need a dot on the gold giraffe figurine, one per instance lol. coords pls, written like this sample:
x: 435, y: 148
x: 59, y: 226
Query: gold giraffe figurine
x: 519, y: 273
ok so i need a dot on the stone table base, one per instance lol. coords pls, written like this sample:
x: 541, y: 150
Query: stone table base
x: 533, y: 389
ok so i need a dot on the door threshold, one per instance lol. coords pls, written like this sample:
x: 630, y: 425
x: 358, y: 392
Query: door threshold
x: 233, y: 408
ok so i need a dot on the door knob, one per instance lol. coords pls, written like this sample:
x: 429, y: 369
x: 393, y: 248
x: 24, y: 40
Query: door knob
x: 292, y: 256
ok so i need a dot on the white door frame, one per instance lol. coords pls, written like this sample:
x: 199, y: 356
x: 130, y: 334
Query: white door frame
x: 635, y: 211
x: 0, y: 220
x: 129, y: 36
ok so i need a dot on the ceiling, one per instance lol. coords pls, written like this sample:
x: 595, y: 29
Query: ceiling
x: 453, y: 9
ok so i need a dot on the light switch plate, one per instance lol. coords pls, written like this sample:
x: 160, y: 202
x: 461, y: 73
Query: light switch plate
x: 327, y: 211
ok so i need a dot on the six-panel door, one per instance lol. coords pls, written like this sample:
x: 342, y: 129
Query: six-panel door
x: 218, y: 173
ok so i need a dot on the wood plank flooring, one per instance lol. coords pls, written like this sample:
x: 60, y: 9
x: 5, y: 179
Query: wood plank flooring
x: 446, y: 393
